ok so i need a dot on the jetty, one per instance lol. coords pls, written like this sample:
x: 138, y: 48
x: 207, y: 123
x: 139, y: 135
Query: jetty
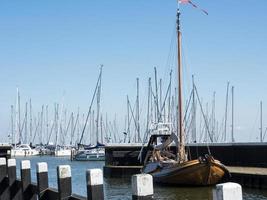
x: 247, y: 162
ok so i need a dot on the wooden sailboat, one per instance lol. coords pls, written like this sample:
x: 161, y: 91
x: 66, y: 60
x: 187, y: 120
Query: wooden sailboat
x: 168, y: 166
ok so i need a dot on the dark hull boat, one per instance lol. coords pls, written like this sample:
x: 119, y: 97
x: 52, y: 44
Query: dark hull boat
x: 198, y: 172
x: 166, y: 168
x: 173, y: 167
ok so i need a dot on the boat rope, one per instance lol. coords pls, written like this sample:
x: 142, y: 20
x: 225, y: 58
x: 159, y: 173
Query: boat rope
x: 205, y: 119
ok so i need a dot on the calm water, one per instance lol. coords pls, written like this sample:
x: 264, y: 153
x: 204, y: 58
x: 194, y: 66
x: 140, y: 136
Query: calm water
x: 121, y: 188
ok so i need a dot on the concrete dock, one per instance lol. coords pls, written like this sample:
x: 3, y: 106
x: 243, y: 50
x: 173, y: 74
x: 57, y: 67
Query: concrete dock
x: 251, y: 177
x: 247, y: 162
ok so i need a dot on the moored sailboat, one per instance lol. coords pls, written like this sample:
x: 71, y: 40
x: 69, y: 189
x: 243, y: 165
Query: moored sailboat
x: 169, y: 166
x: 92, y: 152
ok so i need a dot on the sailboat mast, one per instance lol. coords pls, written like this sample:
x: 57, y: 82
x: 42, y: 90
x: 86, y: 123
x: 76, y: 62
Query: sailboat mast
x: 181, y: 152
x: 232, y: 131
x: 261, y: 138
x: 98, y: 105
x: 12, y: 125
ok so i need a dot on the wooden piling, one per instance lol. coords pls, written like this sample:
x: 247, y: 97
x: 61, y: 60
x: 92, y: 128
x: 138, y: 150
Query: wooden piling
x: 42, y: 179
x: 142, y: 187
x: 64, y: 181
x: 4, y: 186
x: 3, y: 171
x: 11, y: 170
x: 227, y: 191
x: 25, y: 169
x: 14, y: 186
x: 94, y: 180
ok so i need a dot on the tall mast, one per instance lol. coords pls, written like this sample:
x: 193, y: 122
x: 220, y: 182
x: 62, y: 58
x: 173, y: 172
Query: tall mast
x: 148, y: 104
x: 30, y: 120
x: 194, y: 132
x: 181, y: 152
x: 101, y: 129
x: 71, y: 128
x: 26, y: 123
x: 47, y: 124
x: 261, y: 138
x: 138, y: 111
x: 18, y: 110
x: 98, y: 105
x: 226, y: 109
x: 12, y: 125
x: 170, y: 96
x: 232, y: 132
x: 157, y: 98
x: 128, y: 121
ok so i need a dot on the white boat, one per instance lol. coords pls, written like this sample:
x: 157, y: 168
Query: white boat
x: 23, y: 150
x: 62, y: 151
x: 96, y: 154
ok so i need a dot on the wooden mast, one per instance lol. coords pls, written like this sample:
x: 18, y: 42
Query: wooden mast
x: 181, y: 152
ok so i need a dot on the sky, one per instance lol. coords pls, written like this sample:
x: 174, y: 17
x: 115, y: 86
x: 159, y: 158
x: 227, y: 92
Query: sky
x: 52, y: 50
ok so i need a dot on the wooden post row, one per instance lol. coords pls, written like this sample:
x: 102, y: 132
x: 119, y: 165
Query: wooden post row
x: 11, y: 188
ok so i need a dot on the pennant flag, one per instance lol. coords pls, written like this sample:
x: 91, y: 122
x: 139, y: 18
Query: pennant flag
x: 194, y: 5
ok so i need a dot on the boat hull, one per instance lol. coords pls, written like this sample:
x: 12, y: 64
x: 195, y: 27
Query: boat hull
x: 193, y: 172
x: 89, y: 155
x: 90, y: 158
x: 62, y: 152
x: 19, y: 153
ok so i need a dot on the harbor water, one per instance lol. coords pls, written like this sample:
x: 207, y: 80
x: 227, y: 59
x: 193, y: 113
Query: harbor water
x: 118, y: 188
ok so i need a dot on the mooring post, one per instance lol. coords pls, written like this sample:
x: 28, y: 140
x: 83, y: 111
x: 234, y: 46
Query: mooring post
x: 64, y: 181
x: 14, y: 187
x: 11, y: 171
x: 3, y: 171
x: 42, y: 179
x: 94, y: 179
x: 4, y: 192
x: 25, y: 167
x: 142, y: 187
x: 227, y: 191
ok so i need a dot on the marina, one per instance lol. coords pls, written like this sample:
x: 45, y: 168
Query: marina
x: 132, y: 128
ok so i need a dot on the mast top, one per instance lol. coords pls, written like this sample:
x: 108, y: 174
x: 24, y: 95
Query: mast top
x: 178, y: 19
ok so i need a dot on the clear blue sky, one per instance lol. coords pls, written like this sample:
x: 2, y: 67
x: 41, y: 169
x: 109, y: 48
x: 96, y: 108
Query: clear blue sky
x: 48, y: 48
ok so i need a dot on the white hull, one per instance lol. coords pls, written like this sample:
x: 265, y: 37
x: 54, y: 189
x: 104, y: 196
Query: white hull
x: 90, y: 155
x: 24, y: 150
x: 62, y: 152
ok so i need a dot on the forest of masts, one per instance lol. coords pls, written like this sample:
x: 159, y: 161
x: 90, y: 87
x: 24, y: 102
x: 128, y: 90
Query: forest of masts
x: 58, y: 126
